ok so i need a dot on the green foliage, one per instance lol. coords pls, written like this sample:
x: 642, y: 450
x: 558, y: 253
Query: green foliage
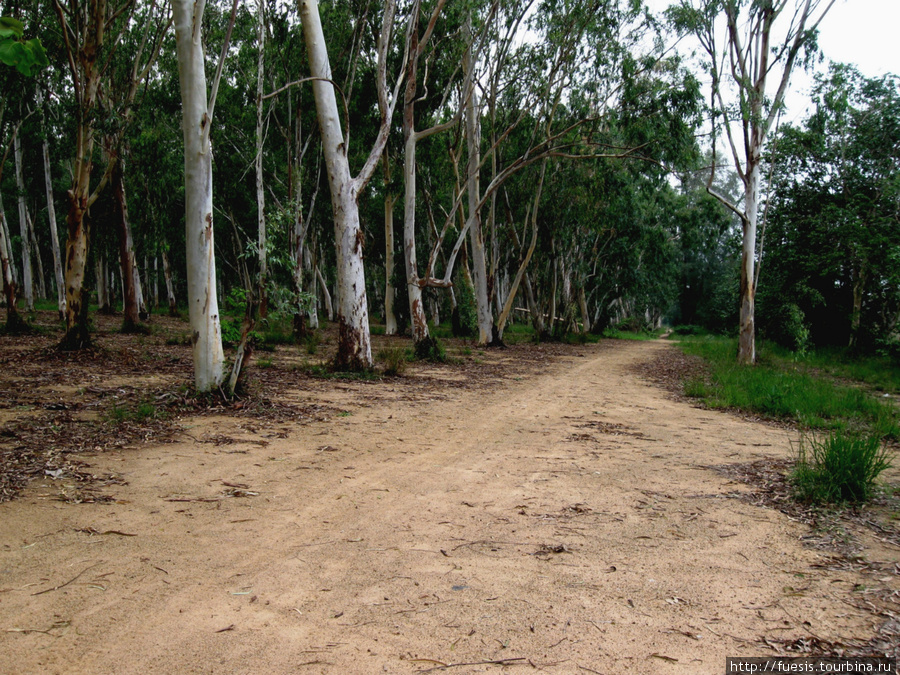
x: 780, y: 388
x: 465, y: 316
x: 312, y: 340
x: 841, y: 467
x: 15, y: 51
x: 833, y: 277
x: 231, y: 331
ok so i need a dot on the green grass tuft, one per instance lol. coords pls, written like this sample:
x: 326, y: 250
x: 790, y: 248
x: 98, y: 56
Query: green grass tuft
x: 841, y: 467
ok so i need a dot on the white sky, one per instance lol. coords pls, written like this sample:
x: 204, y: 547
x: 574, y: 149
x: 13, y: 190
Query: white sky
x: 861, y: 32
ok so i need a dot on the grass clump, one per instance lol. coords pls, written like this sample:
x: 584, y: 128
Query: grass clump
x: 324, y: 372
x: 841, y: 467
x: 394, y: 360
x: 140, y: 413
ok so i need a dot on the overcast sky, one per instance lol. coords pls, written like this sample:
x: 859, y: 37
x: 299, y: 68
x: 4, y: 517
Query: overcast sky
x: 862, y: 32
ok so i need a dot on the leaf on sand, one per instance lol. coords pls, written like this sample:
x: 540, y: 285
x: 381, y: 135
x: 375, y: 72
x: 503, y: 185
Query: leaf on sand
x: 655, y: 655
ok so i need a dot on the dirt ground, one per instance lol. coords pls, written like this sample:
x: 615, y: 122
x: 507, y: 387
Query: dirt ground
x: 541, y: 508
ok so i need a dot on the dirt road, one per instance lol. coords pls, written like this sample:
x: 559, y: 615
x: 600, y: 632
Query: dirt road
x: 563, y: 520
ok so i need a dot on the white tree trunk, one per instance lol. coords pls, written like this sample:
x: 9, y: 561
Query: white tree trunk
x: 201, y: 263
x: 27, y: 280
x: 138, y: 284
x: 9, y: 283
x: 9, y: 252
x: 102, y: 284
x: 260, y: 187
x: 476, y: 236
x: 417, y: 319
x: 39, y: 262
x: 747, y: 341
x: 312, y: 313
x: 170, y: 287
x: 51, y: 215
x: 354, y: 345
x: 155, y: 282
x: 326, y: 296
x: 390, y: 317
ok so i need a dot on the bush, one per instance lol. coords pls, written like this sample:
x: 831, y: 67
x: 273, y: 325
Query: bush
x: 839, y: 468
x: 394, y: 359
x: 430, y: 349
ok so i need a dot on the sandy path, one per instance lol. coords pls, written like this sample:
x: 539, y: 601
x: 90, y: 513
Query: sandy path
x: 564, y: 521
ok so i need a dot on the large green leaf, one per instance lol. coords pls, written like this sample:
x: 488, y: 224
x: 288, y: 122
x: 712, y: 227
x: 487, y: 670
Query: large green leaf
x: 11, y: 28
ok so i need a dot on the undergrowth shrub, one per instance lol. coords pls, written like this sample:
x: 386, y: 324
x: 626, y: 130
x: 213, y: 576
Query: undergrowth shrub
x: 394, y: 359
x: 841, y: 467
x: 430, y: 349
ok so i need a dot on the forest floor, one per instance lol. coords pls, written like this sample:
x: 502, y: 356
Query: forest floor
x: 541, y: 508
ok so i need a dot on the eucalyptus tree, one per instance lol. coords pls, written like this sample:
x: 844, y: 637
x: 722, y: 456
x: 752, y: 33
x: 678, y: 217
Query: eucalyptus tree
x: 354, y: 345
x: 197, y: 120
x: 416, y: 47
x: 85, y: 28
x: 752, y: 47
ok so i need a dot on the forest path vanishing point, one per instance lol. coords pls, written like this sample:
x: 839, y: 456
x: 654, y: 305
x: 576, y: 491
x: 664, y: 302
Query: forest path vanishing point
x: 563, y: 520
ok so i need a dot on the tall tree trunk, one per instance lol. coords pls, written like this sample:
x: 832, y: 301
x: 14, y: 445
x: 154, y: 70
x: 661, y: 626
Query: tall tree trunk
x: 747, y: 339
x: 155, y: 282
x: 418, y: 321
x: 390, y: 293
x: 41, y: 287
x: 170, y: 287
x: 326, y: 295
x: 260, y: 186
x: 476, y: 235
x: 27, y: 277
x: 312, y: 314
x: 860, y: 276
x: 130, y: 318
x: 14, y: 322
x: 203, y: 304
x: 354, y: 342
x: 143, y: 314
x: 86, y: 74
x: 104, y: 306
x: 51, y: 215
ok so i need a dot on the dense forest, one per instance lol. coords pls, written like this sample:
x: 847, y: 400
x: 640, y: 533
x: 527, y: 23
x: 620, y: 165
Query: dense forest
x: 408, y: 163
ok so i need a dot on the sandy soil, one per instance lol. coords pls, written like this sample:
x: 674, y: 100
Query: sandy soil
x: 564, y: 519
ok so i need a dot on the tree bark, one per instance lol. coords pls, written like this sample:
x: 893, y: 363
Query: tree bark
x: 24, y: 230
x: 203, y: 302
x: 51, y: 215
x: 170, y: 287
x: 14, y: 322
x: 130, y: 310
x: 354, y: 342
x: 260, y: 186
x: 747, y: 338
x: 390, y: 293
x: 476, y: 236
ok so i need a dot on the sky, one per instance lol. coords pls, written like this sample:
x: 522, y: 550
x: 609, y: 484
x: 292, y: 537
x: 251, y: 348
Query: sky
x: 861, y: 32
